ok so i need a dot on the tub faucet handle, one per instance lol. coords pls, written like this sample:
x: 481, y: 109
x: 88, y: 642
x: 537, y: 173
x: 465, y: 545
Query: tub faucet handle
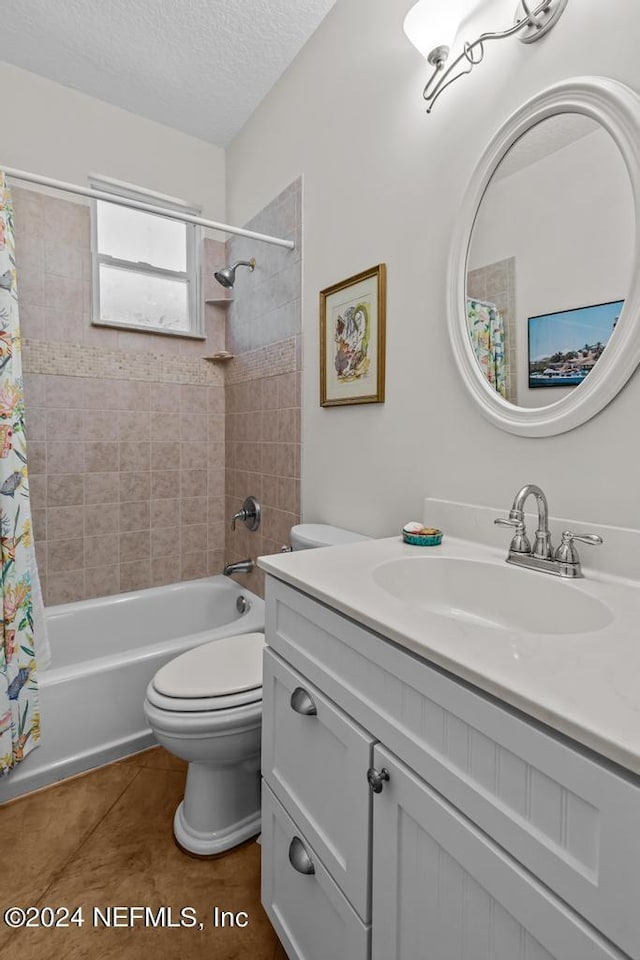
x: 249, y: 514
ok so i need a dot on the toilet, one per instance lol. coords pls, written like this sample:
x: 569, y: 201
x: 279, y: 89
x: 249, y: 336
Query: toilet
x: 205, y: 707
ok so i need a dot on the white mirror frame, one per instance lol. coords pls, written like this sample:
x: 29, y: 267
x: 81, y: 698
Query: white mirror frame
x: 617, y: 109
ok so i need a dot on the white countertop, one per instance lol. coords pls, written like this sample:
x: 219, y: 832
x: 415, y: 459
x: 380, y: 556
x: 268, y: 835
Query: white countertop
x: 585, y: 685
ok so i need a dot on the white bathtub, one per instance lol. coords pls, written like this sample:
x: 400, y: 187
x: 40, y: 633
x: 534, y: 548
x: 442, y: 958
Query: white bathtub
x: 105, y: 651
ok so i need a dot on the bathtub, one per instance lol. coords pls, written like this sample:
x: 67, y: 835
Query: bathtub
x: 105, y: 652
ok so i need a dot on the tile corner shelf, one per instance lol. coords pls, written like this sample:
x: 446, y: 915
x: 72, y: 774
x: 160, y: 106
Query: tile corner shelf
x: 219, y: 301
x: 219, y: 357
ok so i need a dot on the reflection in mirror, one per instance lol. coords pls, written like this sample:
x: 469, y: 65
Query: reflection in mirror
x: 550, y: 260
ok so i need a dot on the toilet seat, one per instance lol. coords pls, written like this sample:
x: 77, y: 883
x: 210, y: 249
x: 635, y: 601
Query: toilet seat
x: 221, y: 675
x: 202, y: 704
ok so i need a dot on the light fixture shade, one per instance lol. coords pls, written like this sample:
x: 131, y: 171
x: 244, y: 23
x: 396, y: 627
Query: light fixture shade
x: 434, y: 23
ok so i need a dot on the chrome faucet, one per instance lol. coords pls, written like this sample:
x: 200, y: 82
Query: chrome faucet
x: 240, y: 566
x: 563, y: 562
x: 520, y: 543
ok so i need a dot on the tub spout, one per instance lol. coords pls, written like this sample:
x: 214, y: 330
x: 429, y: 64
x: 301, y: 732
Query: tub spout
x: 240, y: 566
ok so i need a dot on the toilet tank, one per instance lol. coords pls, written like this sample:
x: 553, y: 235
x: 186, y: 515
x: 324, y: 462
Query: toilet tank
x: 304, y: 536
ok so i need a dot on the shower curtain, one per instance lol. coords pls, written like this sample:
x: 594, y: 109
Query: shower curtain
x: 486, y: 329
x: 22, y: 613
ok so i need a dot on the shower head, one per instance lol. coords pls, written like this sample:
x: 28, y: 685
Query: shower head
x: 227, y: 275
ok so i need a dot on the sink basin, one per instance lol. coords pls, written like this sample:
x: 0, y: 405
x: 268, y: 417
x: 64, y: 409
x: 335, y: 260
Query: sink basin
x: 492, y: 595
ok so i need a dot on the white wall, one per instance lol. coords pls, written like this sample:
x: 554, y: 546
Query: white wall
x: 568, y: 222
x: 382, y: 182
x: 50, y: 129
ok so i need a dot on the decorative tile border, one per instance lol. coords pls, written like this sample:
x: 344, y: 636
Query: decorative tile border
x: 268, y: 361
x: 80, y: 360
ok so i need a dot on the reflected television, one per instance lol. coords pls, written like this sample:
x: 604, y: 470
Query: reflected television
x: 565, y: 346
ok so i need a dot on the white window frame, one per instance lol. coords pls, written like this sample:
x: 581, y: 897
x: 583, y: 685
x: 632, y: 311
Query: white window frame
x: 192, y: 275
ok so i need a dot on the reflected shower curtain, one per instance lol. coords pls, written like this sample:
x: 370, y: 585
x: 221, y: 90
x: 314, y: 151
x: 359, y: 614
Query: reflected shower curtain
x: 20, y: 589
x: 486, y: 330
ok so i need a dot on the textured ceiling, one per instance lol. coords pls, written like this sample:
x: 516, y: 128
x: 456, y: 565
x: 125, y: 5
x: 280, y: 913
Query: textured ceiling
x: 543, y: 139
x: 201, y: 66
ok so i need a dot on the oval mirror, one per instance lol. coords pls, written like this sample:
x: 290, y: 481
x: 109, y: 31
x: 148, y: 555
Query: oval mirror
x: 544, y: 293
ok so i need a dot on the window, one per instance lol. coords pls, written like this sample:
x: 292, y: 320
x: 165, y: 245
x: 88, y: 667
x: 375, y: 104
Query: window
x: 145, y: 267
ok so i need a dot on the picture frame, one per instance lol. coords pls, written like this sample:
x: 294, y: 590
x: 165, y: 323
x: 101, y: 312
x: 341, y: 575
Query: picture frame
x: 352, y: 339
x: 564, y: 346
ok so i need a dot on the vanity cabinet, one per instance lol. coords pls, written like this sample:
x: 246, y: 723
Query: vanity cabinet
x: 442, y: 889
x: 492, y: 839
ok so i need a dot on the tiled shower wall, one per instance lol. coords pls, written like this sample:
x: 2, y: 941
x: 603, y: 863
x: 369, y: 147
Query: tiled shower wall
x: 263, y: 395
x: 126, y: 430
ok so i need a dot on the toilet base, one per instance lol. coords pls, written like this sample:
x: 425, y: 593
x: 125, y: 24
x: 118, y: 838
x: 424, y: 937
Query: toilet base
x: 221, y: 805
x: 211, y: 844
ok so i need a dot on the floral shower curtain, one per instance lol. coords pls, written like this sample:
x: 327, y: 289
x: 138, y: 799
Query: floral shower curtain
x: 20, y: 589
x: 486, y: 329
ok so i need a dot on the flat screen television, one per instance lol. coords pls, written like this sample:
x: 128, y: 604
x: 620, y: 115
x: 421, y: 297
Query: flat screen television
x: 565, y: 346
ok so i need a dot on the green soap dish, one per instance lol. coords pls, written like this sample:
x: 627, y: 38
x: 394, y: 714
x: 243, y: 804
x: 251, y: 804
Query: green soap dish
x: 423, y: 540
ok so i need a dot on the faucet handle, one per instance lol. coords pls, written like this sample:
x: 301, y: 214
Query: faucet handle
x: 249, y: 514
x: 592, y: 538
x: 567, y: 553
x: 520, y: 542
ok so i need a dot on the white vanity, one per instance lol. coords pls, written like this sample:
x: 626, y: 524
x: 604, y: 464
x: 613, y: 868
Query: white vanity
x: 506, y: 756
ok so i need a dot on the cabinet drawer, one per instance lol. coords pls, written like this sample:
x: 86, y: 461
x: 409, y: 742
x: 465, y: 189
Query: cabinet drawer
x: 310, y: 915
x: 573, y: 821
x: 442, y: 889
x: 315, y: 760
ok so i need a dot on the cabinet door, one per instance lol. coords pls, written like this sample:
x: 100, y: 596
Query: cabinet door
x: 443, y: 890
x: 315, y: 760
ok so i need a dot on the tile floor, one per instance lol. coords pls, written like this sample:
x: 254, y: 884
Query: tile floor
x: 105, y: 839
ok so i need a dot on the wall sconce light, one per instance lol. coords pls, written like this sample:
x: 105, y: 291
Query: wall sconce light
x: 432, y: 27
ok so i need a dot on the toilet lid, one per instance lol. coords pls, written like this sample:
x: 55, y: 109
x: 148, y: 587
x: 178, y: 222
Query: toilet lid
x: 220, y: 668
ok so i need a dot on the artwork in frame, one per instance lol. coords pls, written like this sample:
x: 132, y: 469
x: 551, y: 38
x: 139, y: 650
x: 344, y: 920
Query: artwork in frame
x: 565, y: 346
x: 352, y: 339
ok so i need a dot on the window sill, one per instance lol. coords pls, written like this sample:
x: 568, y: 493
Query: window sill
x: 141, y: 328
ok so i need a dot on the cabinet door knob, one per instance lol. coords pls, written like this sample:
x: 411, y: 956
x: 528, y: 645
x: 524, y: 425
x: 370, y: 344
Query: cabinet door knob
x: 299, y: 858
x: 377, y: 778
x: 303, y: 703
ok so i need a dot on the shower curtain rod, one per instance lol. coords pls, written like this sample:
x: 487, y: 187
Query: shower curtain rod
x: 147, y: 207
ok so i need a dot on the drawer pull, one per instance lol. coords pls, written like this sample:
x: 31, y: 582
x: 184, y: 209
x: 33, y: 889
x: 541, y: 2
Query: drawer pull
x: 302, y: 703
x: 377, y: 778
x: 299, y: 858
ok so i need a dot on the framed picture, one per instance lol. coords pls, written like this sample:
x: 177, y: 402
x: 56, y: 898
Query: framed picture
x: 564, y: 347
x: 352, y: 339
